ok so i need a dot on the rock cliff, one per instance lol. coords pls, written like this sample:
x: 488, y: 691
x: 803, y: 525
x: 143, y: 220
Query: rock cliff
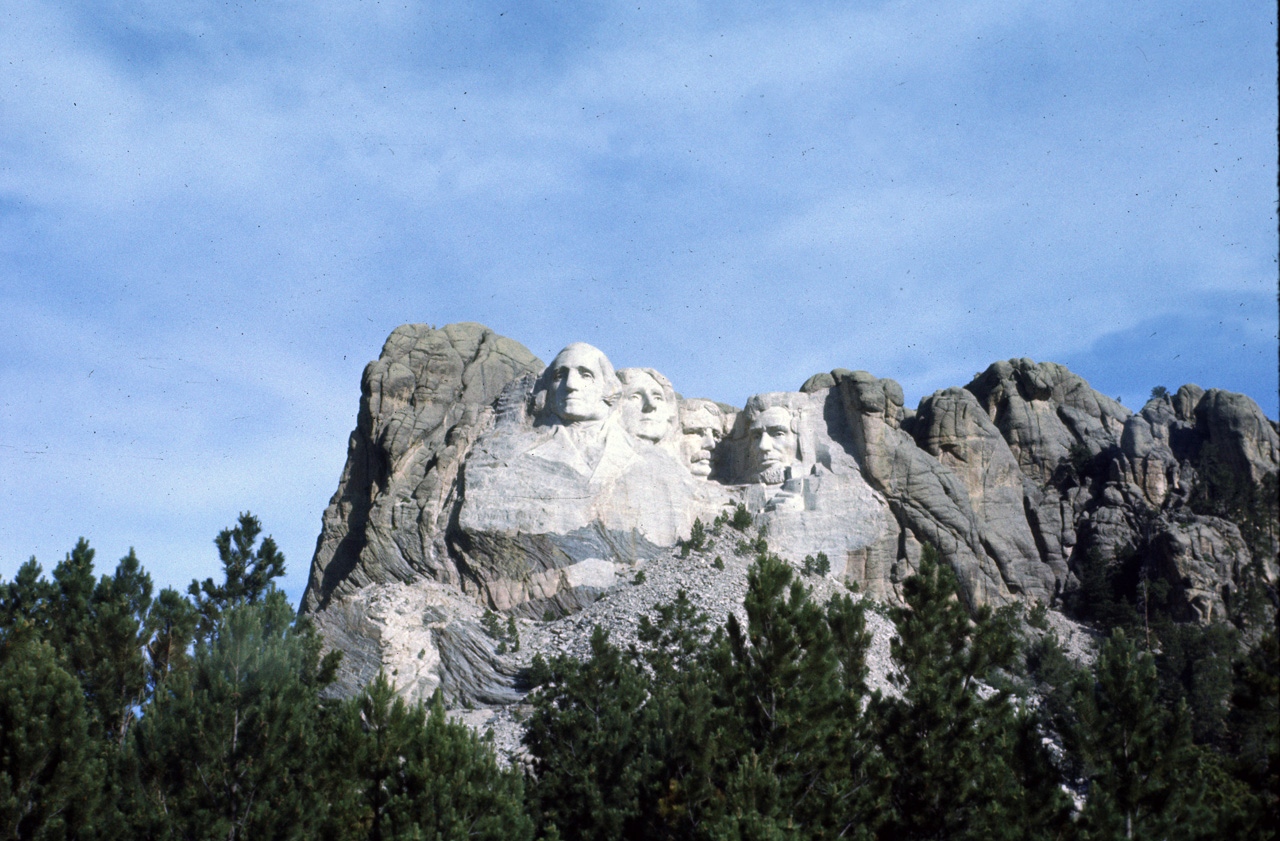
x: 480, y: 479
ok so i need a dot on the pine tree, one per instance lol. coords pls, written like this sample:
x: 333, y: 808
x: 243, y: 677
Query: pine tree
x: 171, y: 629
x: 1255, y: 739
x: 951, y: 743
x: 407, y: 772
x: 48, y: 764
x: 782, y: 686
x: 679, y: 711
x: 247, y: 575
x: 23, y: 604
x: 1138, y: 756
x: 115, y: 679
x: 450, y: 784
x: 586, y: 735
x: 95, y: 631
x: 229, y: 746
x: 792, y: 722
x: 68, y: 621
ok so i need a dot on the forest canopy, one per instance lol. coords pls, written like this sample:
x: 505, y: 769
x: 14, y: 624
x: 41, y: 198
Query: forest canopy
x: 128, y: 714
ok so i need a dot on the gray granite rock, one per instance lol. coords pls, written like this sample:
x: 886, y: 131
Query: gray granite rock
x: 954, y: 428
x: 479, y: 479
x: 928, y: 499
x: 422, y: 403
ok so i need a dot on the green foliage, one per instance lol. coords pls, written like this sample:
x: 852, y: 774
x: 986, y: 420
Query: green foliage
x: 1193, y: 667
x: 172, y: 626
x: 226, y: 743
x: 1193, y: 661
x: 1103, y: 596
x: 116, y: 680
x: 513, y: 633
x: 1038, y: 616
x: 681, y: 722
x: 412, y: 773
x: 820, y: 565
x: 23, y: 603
x: 758, y: 546
x: 48, y: 765
x: 1159, y: 392
x: 1254, y: 733
x: 697, y: 541
x: 586, y: 736
x: 1056, y: 678
x: 754, y: 731
x: 718, y: 563
x: 113, y: 724
x: 492, y: 625
x: 741, y: 519
x: 247, y: 575
x: 638, y: 578
x: 1137, y: 754
x: 108, y: 636
x: 507, y: 635
x: 795, y: 712
x: 119, y: 720
x: 964, y: 764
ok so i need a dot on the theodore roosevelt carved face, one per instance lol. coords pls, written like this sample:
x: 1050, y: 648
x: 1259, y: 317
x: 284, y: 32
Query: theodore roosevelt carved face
x: 583, y: 386
x: 648, y: 403
x: 701, y: 428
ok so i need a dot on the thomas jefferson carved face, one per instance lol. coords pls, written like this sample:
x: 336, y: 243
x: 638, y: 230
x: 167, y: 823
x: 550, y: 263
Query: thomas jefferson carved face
x: 701, y: 428
x: 648, y: 405
x: 773, y: 443
x: 583, y: 385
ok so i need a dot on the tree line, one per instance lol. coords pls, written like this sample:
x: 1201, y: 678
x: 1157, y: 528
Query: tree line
x: 202, y: 716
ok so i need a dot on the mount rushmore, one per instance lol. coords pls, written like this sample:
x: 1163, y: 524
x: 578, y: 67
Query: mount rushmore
x: 480, y: 479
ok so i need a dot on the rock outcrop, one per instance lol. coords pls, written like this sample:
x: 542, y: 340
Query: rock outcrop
x: 422, y: 404
x: 479, y: 479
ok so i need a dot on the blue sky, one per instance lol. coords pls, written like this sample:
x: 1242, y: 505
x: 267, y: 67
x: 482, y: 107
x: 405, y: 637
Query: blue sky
x: 213, y: 214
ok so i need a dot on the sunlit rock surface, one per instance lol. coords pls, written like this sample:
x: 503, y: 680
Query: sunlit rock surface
x: 480, y: 479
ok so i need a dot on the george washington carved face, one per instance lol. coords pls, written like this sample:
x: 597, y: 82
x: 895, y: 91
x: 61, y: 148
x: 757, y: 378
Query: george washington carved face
x: 583, y: 386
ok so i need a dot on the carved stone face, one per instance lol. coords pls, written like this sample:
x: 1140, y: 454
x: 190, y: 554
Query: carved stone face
x: 647, y: 410
x: 579, y: 384
x: 773, y: 444
x: 701, y: 428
